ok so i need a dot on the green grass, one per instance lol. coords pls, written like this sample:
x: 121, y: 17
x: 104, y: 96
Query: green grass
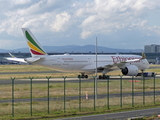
x: 22, y: 111
x: 72, y: 89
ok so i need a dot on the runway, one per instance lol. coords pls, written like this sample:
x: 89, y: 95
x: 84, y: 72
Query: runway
x: 33, y: 72
x: 57, y: 80
x: 127, y: 115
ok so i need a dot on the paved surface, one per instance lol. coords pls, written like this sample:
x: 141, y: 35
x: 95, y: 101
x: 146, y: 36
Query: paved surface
x: 119, y: 115
x: 35, y: 81
x: 30, y: 72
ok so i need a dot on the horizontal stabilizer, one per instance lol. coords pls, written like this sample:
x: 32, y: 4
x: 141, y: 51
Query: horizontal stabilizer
x: 16, y: 59
x: 32, y: 59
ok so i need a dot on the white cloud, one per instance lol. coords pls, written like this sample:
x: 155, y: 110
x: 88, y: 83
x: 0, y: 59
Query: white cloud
x: 61, y: 22
x: 20, y: 2
x: 85, y: 34
x: 155, y: 29
x: 111, y: 15
x: 79, y: 19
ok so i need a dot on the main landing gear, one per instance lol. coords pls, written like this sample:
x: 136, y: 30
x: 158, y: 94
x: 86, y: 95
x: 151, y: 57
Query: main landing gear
x: 100, y: 76
x: 82, y: 76
x: 103, y: 76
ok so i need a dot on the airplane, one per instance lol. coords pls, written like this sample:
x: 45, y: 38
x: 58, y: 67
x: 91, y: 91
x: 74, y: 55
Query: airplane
x: 129, y: 65
x: 13, y: 58
x: 11, y: 55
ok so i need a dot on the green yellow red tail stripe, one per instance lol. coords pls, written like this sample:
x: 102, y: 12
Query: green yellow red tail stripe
x: 34, y: 47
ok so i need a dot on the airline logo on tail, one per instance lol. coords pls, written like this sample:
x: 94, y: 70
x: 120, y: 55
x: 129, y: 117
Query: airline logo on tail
x: 34, y: 47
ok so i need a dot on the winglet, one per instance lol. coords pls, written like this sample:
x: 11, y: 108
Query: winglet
x: 143, y: 55
x: 34, y: 47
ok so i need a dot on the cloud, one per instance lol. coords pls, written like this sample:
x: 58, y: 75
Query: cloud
x: 20, y: 2
x: 37, y: 14
x: 85, y: 34
x: 61, y: 22
x: 155, y: 29
x: 112, y: 15
x: 79, y: 20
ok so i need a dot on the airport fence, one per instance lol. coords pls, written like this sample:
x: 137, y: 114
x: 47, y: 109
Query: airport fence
x: 56, y: 95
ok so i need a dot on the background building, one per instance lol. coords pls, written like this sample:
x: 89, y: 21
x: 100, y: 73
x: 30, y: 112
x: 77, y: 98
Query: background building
x: 152, y: 48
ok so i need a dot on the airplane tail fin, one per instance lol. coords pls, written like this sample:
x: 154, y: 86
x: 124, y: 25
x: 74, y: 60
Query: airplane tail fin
x: 12, y: 55
x: 34, y: 47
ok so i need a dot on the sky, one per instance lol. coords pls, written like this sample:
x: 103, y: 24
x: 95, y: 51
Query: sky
x: 127, y: 24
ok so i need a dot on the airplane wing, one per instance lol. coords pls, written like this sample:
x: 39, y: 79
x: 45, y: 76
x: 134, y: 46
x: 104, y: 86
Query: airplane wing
x: 120, y: 64
x: 16, y: 59
x: 110, y: 67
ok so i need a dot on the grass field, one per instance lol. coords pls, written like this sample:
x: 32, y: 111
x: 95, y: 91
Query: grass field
x: 22, y: 68
x: 22, y: 109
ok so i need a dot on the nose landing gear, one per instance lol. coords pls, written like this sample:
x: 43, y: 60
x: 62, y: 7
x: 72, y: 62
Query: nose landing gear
x: 82, y: 76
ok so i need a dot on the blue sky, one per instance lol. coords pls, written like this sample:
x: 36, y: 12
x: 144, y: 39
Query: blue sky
x: 116, y: 23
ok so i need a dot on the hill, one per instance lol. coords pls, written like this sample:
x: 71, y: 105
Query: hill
x: 75, y: 49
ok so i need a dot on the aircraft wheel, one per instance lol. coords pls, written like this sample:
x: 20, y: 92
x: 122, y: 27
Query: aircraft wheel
x: 86, y: 76
x: 103, y: 77
x: 79, y: 76
x: 100, y: 77
x: 107, y: 76
x: 82, y: 76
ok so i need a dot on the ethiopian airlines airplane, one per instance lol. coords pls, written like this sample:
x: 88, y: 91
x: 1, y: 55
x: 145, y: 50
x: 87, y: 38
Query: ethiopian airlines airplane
x: 85, y: 64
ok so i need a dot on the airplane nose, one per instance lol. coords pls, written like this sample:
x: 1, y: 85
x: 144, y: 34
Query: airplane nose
x: 147, y: 64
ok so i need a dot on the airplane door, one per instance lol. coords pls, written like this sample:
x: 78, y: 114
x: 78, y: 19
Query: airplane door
x: 89, y: 60
x: 58, y: 61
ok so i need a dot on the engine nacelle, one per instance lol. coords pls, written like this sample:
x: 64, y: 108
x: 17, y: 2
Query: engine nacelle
x: 130, y: 70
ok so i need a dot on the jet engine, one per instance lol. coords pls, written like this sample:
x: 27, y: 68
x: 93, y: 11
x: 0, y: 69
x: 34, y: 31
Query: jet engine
x: 130, y: 70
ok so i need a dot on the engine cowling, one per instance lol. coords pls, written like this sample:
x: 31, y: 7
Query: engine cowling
x: 130, y: 70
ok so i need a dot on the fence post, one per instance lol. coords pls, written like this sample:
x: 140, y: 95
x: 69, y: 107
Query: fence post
x: 132, y: 91
x: 143, y: 90
x: 31, y: 78
x: 13, y: 95
x: 64, y: 77
x: 154, y: 86
x: 95, y: 91
x: 121, y: 90
x: 48, y: 92
x: 80, y: 92
x: 108, y: 91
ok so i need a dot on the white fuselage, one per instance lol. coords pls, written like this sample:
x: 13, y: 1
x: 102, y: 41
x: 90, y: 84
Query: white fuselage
x: 87, y: 63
